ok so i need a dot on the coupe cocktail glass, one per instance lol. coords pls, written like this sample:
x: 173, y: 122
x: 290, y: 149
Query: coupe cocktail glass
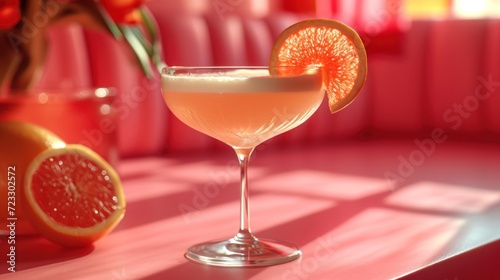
x: 243, y: 107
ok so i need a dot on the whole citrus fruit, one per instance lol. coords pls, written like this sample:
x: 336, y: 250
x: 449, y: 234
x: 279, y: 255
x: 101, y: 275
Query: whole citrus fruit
x: 20, y: 143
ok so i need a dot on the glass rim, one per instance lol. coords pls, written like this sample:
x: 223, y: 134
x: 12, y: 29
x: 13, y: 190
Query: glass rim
x: 165, y: 69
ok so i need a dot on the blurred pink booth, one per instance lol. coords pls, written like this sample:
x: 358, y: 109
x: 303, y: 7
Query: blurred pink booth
x: 445, y: 76
x: 405, y: 182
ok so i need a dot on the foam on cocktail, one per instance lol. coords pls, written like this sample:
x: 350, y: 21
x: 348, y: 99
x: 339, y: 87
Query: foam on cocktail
x: 242, y: 80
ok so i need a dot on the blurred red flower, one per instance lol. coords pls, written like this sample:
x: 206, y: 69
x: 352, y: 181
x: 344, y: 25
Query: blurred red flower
x: 123, y: 11
x: 10, y: 13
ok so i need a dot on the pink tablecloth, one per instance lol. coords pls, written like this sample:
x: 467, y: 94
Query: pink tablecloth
x: 442, y: 217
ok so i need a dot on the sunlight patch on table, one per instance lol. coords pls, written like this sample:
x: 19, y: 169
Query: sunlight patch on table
x: 325, y: 185
x: 435, y: 196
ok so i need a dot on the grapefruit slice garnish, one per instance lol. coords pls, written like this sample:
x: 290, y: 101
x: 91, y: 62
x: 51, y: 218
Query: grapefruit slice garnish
x: 73, y: 196
x: 335, y: 47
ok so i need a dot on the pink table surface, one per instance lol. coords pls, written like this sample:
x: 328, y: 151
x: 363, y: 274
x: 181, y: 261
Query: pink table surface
x: 441, y: 222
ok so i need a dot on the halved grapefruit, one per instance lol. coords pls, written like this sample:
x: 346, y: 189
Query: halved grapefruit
x: 72, y: 196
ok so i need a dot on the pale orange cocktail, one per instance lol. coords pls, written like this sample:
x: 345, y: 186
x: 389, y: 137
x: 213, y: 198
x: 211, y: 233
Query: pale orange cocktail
x: 243, y: 107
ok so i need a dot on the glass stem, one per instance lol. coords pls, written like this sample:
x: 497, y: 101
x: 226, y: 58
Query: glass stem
x: 244, y: 234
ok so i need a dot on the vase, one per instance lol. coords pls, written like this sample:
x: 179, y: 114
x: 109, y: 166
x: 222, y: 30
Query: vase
x: 83, y: 116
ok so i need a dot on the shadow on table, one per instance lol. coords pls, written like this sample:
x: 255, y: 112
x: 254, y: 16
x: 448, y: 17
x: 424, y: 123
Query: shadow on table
x: 35, y: 251
x: 188, y: 269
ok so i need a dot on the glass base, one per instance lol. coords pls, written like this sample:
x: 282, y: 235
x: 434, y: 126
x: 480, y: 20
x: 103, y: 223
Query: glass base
x: 235, y: 253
